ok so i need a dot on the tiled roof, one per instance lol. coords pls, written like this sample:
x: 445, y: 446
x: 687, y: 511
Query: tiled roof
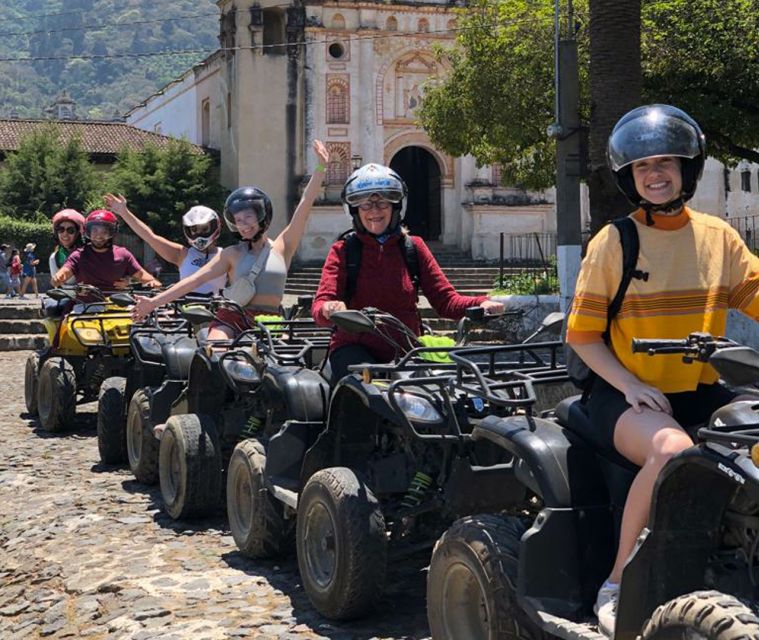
x: 106, y: 138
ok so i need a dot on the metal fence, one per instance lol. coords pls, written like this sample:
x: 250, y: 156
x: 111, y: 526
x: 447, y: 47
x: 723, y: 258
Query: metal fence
x: 527, y: 249
x: 747, y: 226
x: 527, y: 262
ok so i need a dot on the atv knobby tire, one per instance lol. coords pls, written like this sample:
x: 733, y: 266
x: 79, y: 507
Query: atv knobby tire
x: 341, y: 543
x: 142, y: 445
x: 702, y: 614
x: 56, y: 395
x: 111, y: 423
x: 471, y: 583
x: 189, y: 466
x: 31, y: 381
x: 256, y: 518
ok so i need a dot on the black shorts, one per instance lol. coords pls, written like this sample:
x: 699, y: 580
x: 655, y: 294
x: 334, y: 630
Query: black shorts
x: 690, y: 408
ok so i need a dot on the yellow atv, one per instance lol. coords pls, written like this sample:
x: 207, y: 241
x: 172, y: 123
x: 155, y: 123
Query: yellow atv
x: 88, y: 334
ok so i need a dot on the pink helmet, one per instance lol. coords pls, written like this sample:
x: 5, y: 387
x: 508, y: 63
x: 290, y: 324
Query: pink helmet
x: 69, y: 215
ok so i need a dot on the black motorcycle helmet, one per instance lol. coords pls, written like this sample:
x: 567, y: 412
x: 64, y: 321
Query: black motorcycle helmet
x: 651, y: 131
x: 249, y: 199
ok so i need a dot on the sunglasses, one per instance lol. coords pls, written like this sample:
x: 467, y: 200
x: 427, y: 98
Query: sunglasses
x: 381, y: 205
x: 71, y: 230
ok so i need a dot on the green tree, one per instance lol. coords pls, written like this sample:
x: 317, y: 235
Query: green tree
x: 46, y: 175
x: 497, y: 100
x: 162, y: 184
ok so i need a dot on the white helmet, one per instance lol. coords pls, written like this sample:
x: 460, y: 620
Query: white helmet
x: 374, y: 179
x: 201, y: 227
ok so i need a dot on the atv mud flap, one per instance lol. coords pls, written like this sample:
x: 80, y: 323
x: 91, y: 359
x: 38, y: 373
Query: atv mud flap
x: 565, y: 557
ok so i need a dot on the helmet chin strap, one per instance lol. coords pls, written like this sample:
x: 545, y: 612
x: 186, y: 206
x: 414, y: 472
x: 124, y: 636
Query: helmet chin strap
x: 665, y: 208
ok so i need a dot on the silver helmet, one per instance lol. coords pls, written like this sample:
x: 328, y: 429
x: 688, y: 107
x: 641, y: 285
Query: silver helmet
x: 374, y: 180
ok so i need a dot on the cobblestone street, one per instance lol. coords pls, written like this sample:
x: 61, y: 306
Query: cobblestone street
x: 86, y: 552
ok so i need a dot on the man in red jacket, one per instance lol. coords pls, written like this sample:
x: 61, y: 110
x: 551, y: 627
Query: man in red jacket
x: 375, y: 198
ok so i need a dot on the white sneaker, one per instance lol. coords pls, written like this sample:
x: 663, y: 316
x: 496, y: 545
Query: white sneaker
x: 606, y: 607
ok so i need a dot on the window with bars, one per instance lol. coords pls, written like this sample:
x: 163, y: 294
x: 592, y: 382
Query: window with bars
x: 339, y: 164
x: 338, y: 107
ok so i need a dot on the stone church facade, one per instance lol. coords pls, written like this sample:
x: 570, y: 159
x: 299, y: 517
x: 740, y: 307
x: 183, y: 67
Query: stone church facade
x: 351, y: 74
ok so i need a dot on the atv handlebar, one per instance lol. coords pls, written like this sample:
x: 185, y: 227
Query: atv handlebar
x: 697, y: 346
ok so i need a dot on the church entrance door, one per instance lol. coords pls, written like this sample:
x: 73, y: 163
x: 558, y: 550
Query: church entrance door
x: 421, y: 172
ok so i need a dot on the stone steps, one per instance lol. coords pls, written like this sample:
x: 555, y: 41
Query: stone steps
x: 21, y: 327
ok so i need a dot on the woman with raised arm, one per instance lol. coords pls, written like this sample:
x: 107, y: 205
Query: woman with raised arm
x: 256, y: 266
x: 201, y: 227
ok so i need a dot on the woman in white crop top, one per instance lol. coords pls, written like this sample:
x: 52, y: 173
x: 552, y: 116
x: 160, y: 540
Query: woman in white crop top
x: 201, y: 228
x: 248, y: 212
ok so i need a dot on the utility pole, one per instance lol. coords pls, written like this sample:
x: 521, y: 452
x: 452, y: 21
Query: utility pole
x: 569, y: 161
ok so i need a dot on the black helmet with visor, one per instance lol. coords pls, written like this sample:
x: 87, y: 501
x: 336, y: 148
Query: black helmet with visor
x: 654, y: 131
x: 249, y: 199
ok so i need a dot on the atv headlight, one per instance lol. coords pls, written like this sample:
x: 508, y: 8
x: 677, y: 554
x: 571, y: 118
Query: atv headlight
x: 89, y: 335
x: 418, y: 409
x: 241, y: 371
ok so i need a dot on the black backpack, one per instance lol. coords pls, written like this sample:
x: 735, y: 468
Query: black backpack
x: 353, y: 248
x: 579, y: 373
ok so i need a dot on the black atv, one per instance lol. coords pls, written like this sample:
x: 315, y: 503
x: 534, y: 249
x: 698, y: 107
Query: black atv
x: 536, y: 573
x: 161, y: 347
x: 236, y: 390
x: 393, y: 463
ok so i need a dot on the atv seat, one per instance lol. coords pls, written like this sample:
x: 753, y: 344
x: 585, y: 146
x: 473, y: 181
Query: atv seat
x: 572, y: 414
x: 618, y: 471
x: 56, y: 309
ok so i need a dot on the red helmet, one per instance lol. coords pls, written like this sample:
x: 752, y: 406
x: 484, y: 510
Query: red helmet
x: 69, y: 215
x: 101, y: 217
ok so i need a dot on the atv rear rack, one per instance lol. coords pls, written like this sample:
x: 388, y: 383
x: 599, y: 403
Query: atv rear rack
x: 504, y: 375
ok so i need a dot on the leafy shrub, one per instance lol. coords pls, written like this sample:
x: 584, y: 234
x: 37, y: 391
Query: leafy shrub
x: 529, y: 282
x: 17, y: 233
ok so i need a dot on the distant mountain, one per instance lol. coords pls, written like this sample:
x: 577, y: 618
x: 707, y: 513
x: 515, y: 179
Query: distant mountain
x: 79, y: 46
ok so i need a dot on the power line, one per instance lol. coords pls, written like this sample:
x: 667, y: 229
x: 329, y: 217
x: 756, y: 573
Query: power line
x: 206, y: 51
x: 53, y: 14
x: 107, y: 26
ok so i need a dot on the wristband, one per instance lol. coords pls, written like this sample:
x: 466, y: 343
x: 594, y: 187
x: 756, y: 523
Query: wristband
x: 320, y: 167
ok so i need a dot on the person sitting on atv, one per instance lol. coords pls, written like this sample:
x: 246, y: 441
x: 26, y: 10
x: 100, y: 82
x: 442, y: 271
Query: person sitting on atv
x: 391, y: 266
x: 256, y: 266
x: 692, y: 267
x: 99, y: 262
x: 68, y: 230
x: 201, y: 226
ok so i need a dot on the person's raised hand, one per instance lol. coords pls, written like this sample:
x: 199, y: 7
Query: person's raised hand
x: 321, y: 152
x: 116, y: 204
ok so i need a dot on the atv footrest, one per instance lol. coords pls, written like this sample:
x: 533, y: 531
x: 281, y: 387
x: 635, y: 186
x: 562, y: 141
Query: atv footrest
x: 568, y: 630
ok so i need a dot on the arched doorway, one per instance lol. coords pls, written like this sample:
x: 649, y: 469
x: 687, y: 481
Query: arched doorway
x: 421, y: 172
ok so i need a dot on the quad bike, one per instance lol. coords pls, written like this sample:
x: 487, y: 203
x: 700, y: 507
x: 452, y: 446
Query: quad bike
x: 89, y: 341
x: 235, y: 390
x: 392, y: 462
x: 159, y: 349
x: 536, y: 573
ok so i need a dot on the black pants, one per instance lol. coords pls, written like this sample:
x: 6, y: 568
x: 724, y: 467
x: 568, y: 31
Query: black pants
x: 340, y: 359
